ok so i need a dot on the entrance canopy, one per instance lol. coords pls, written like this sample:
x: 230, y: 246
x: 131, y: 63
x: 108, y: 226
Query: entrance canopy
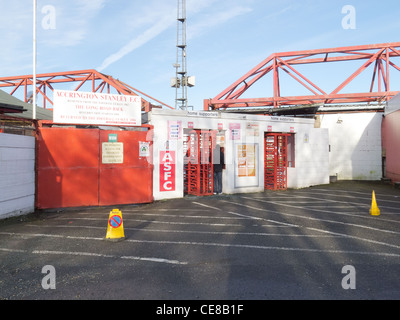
x: 9, y: 104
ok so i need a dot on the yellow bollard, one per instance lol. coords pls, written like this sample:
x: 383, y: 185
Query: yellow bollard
x: 115, y: 229
x: 374, y: 211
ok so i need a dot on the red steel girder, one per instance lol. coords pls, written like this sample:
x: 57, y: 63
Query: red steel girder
x: 99, y: 83
x: 380, y: 54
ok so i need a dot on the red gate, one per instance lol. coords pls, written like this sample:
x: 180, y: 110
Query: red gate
x: 73, y: 169
x: 198, y: 171
x: 275, y: 161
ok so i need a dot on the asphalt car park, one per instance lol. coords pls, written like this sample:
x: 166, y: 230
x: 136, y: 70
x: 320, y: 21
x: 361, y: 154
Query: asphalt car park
x: 315, y: 243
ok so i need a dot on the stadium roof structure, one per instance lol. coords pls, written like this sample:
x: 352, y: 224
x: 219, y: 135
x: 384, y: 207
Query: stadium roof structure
x: 380, y: 57
x: 90, y: 80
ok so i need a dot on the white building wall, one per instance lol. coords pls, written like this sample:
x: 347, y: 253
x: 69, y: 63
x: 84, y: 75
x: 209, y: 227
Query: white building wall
x: 355, y: 145
x: 17, y: 175
x: 312, y: 158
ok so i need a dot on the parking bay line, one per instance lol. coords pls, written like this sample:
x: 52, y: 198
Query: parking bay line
x: 318, y: 219
x: 174, y: 216
x: 325, y: 231
x: 75, y: 253
x: 363, y: 193
x: 348, y: 196
x: 187, y: 243
x: 200, y: 232
x: 204, y: 205
x: 315, y: 200
x: 160, y: 222
x: 162, y: 209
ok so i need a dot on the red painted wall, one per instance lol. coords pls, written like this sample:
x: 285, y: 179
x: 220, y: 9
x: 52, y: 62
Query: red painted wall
x: 391, y: 143
x: 71, y: 172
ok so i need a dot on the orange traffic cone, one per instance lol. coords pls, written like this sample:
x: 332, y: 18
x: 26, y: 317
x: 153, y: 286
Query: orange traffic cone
x: 374, y: 211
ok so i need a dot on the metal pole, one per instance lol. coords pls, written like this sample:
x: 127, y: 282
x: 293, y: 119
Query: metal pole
x: 181, y: 57
x: 34, y: 60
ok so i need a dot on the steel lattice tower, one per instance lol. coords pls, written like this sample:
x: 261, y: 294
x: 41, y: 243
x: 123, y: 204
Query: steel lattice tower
x: 181, y: 59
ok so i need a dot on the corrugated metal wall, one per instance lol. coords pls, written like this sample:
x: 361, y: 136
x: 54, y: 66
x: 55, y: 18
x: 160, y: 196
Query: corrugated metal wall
x: 17, y: 175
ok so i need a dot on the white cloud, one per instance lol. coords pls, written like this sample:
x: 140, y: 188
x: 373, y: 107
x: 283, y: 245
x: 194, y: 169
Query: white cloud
x: 216, y: 19
x: 154, y: 22
x: 164, y: 17
x: 195, y: 6
x: 137, y: 42
x: 74, y: 19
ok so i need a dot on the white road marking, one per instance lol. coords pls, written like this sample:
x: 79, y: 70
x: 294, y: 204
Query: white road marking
x: 319, y: 219
x: 358, y: 192
x: 154, y: 260
x: 187, y: 216
x: 269, y: 220
x: 369, y: 198
x: 212, y: 244
x: 204, y: 205
x: 157, y: 209
x: 160, y: 222
x: 88, y: 254
x: 266, y: 247
x: 76, y: 253
x: 202, y: 232
x: 13, y: 250
x: 331, y: 221
x: 73, y: 253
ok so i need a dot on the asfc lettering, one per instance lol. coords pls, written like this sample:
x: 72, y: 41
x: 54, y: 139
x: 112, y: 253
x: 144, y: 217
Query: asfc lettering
x: 167, y: 171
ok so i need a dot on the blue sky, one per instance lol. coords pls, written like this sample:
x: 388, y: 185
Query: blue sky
x: 135, y: 41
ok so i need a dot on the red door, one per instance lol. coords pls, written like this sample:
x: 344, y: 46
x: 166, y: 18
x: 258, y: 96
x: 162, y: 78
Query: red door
x: 73, y: 171
x: 67, y: 168
x: 275, y: 161
x: 131, y: 181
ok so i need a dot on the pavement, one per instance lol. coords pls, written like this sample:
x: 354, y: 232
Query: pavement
x: 317, y: 243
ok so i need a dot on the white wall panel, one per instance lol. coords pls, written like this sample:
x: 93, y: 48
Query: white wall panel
x: 17, y: 175
x: 356, y: 145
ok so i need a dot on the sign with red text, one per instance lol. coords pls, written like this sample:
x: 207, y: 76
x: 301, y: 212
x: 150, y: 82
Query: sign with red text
x: 96, y: 108
x: 167, y: 171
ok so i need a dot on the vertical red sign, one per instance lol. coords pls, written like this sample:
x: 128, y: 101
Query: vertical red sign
x: 167, y: 171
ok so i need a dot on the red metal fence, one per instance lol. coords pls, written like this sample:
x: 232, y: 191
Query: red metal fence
x: 198, y: 171
x: 275, y: 161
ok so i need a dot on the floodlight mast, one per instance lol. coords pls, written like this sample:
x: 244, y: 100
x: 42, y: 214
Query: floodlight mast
x: 34, y: 60
x: 181, y: 77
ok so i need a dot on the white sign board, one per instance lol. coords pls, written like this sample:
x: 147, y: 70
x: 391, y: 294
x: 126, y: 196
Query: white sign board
x: 144, y: 149
x: 96, y: 108
x: 112, y: 153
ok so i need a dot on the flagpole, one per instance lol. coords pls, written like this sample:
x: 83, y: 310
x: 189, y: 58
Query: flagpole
x: 34, y: 60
